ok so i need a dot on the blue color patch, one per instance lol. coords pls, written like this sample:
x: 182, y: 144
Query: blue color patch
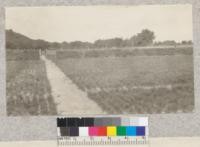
x: 130, y: 131
x: 140, y: 131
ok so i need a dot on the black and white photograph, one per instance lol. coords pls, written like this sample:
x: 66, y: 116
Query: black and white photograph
x: 64, y: 60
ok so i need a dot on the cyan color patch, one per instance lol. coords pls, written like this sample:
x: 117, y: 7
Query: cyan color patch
x: 130, y: 131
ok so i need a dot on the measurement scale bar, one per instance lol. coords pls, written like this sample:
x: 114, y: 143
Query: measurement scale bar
x: 102, y: 131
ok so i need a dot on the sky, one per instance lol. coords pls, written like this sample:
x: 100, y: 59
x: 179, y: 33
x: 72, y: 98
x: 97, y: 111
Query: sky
x: 89, y: 23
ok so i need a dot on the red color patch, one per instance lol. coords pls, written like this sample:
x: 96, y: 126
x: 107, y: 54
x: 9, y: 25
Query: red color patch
x: 102, y: 131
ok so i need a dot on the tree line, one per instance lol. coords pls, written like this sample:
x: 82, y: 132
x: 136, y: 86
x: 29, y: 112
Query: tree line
x: 144, y: 38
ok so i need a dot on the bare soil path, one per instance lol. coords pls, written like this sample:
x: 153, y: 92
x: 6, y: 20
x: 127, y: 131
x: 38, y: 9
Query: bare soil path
x: 70, y: 99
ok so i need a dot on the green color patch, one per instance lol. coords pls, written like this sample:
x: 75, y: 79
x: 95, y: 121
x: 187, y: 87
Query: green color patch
x: 121, y: 131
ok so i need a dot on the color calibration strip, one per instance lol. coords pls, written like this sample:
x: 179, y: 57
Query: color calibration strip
x: 102, y: 130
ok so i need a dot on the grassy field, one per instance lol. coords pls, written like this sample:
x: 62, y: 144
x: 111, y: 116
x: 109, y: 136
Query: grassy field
x: 135, y: 84
x: 28, y: 89
x: 123, y: 52
x: 119, y: 81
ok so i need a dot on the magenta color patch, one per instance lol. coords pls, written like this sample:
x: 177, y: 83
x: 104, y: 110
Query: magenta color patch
x: 93, y: 131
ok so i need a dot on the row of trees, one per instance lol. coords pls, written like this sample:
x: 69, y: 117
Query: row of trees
x: 172, y: 42
x: 144, y: 38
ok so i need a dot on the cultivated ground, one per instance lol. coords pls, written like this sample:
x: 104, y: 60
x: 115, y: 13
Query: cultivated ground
x: 113, y: 80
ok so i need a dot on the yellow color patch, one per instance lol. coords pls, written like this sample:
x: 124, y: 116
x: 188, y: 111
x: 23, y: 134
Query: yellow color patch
x: 111, y: 131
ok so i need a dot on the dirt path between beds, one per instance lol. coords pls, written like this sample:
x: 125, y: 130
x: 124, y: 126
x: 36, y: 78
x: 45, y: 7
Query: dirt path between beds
x: 69, y: 98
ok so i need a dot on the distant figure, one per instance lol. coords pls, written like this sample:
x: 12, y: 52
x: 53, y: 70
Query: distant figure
x: 43, y: 51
